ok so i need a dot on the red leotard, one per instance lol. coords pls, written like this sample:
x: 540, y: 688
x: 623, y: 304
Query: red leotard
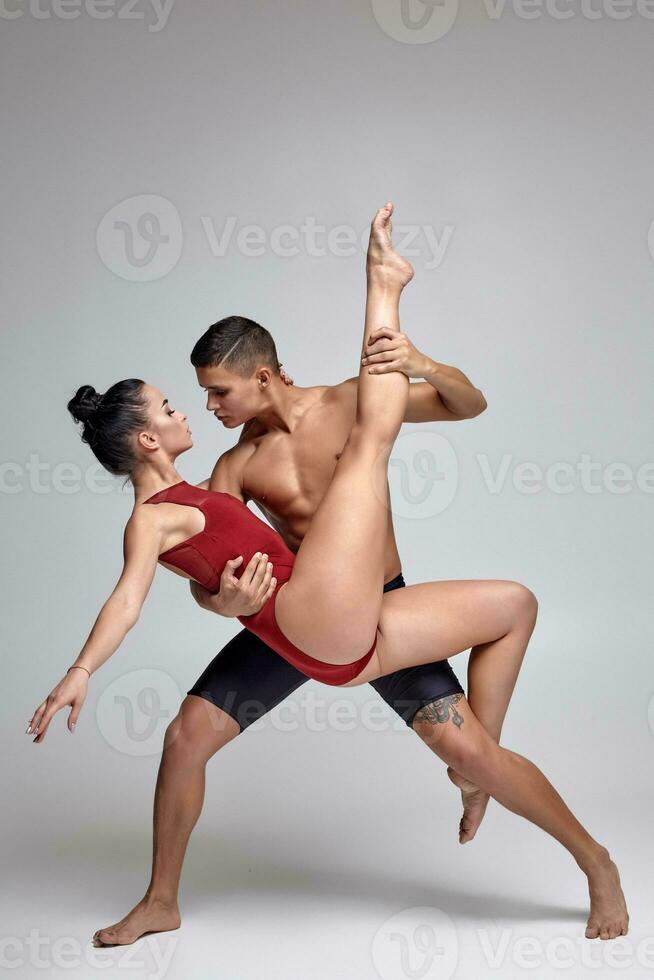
x: 232, y: 529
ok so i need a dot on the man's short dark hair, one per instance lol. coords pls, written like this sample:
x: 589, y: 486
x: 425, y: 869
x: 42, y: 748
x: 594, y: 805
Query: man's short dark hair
x: 237, y: 344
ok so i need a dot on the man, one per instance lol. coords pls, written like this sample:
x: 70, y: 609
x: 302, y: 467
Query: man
x: 283, y: 461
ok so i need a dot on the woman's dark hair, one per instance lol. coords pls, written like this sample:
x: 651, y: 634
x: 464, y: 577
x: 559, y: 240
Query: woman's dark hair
x: 238, y: 344
x: 110, y: 420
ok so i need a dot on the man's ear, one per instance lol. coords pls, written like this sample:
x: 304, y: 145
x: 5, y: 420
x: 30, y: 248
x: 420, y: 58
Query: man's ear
x: 264, y: 377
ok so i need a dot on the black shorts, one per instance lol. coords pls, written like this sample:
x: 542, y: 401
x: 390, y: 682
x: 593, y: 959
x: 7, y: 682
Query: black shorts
x: 248, y: 678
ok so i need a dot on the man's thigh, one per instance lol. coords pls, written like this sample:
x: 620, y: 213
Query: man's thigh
x: 246, y: 679
x: 407, y: 691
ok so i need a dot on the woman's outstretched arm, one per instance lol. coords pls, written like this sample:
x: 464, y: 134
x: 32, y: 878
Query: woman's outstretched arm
x: 118, y: 615
x: 122, y: 609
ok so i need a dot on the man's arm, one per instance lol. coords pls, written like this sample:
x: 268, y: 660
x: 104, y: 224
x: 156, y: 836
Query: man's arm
x: 446, y: 394
x: 227, y: 474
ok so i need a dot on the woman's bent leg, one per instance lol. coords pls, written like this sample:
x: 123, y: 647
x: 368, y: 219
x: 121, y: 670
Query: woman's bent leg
x: 334, y: 618
x: 435, y: 620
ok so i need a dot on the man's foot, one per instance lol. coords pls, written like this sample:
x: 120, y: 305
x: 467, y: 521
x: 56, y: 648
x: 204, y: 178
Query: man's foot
x: 475, y: 801
x: 383, y: 263
x: 608, y: 910
x: 150, y: 915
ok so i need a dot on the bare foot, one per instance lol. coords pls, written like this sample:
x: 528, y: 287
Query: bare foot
x: 475, y: 801
x: 383, y: 262
x: 608, y: 910
x: 150, y: 915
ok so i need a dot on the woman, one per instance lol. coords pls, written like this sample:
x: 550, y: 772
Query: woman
x: 342, y: 635
x: 195, y: 531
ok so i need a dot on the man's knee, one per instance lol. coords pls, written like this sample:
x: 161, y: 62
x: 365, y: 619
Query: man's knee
x: 469, y: 756
x: 524, y: 601
x: 199, y: 729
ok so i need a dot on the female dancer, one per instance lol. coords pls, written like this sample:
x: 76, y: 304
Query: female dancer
x: 194, y: 532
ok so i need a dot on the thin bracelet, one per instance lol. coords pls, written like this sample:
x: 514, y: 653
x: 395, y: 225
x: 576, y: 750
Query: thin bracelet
x: 83, y: 668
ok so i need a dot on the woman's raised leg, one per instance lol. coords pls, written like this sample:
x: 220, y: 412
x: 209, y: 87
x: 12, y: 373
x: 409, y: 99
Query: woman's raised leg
x: 331, y: 604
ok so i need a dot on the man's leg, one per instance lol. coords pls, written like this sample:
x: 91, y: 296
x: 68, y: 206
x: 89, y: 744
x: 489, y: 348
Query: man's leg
x: 493, y: 669
x: 420, y: 692
x: 521, y: 787
x: 241, y: 684
x: 244, y: 681
x: 431, y: 701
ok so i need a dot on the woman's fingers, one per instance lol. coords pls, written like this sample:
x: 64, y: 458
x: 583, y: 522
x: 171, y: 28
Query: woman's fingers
x: 42, y: 725
x: 74, y: 715
x: 36, y: 718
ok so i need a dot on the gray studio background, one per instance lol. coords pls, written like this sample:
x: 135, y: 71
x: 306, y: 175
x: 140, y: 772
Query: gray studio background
x: 523, y: 147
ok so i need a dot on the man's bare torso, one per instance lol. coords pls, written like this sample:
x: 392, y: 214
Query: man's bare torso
x: 287, y: 473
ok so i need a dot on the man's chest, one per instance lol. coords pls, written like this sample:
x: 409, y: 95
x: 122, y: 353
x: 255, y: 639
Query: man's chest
x: 288, y: 473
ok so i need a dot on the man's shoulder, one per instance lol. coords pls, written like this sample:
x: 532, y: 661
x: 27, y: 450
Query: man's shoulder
x: 237, y: 454
x: 330, y: 392
x: 344, y: 390
x: 227, y: 473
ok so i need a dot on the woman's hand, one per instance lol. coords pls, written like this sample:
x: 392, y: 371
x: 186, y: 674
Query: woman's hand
x: 286, y: 378
x: 242, y: 596
x: 71, y: 690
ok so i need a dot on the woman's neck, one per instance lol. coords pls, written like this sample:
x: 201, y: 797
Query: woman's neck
x: 153, y: 479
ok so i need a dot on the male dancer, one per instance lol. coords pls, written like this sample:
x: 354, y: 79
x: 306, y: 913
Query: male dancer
x: 283, y: 461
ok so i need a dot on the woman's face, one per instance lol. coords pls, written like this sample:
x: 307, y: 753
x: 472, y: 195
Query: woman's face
x: 167, y: 425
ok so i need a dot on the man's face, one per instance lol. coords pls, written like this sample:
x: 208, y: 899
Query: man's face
x: 232, y: 399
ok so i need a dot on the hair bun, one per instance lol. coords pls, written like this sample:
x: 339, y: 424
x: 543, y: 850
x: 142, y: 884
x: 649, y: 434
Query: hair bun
x: 84, y: 404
